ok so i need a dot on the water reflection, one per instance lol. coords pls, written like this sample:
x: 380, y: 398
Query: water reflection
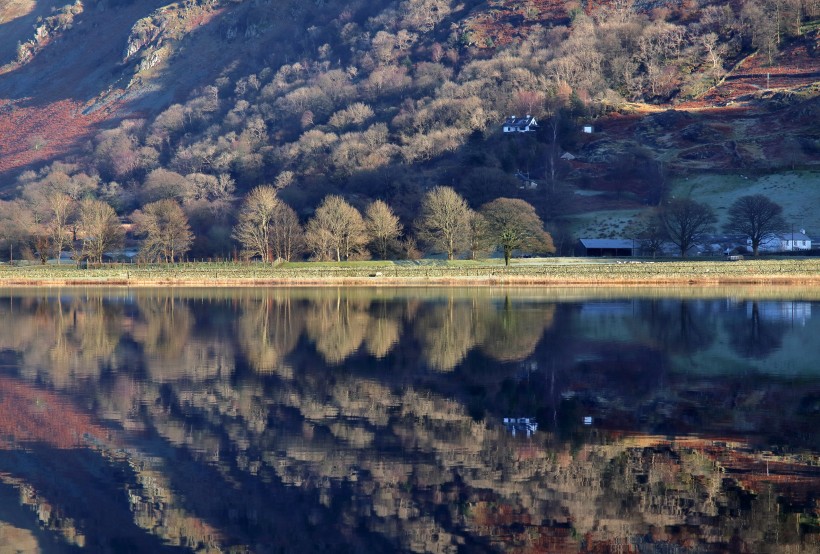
x: 267, y: 420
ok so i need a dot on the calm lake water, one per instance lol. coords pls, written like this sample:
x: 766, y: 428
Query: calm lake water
x: 410, y: 420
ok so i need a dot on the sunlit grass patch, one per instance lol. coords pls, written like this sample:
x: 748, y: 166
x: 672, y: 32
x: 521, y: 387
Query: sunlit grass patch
x: 522, y: 271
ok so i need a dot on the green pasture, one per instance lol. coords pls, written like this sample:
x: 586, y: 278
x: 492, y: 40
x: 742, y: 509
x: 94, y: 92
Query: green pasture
x: 797, y: 191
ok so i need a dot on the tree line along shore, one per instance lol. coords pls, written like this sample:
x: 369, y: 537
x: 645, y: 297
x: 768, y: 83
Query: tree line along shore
x: 490, y: 272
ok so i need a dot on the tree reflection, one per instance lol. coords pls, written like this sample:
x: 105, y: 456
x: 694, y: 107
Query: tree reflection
x: 753, y: 335
x: 512, y: 332
x: 337, y: 326
x: 680, y: 326
x: 447, y: 331
x: 268, y: 330
x: 382, y: 335
x: 62, y: 340
x: 373, y: 460
x: 163, y: 329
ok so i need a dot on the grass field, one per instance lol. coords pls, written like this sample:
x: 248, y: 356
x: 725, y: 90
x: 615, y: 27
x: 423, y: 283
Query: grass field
x: 797, y: 192
x: 543, y: 271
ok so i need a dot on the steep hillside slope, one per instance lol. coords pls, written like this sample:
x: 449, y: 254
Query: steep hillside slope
x: 69, y: 74
x: 385, y: 99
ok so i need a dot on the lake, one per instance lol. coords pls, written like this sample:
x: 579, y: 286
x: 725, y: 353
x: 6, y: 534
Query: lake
x: 410, y: 420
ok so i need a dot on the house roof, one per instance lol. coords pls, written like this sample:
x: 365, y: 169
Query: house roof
x: 608, y: 243
x: 525, y: 121
x: 794, y: 236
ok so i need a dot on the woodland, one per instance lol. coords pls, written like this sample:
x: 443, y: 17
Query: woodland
x: 362, y: 111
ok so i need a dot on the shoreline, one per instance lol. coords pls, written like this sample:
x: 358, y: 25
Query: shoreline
x: 549, y: 272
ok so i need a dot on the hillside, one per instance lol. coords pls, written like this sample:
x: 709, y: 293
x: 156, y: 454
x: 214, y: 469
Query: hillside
x: 203, y: 100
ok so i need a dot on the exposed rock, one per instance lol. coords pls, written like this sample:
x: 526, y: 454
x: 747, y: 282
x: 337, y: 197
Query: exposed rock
x: 50, y: 28
x: 703, y: 152
x: 669, y: 119
x: 602, y: 151
x: 144, y: 32
x: 698, y: 132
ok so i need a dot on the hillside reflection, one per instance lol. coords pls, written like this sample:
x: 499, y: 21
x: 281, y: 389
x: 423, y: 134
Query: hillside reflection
x: 269, y: 420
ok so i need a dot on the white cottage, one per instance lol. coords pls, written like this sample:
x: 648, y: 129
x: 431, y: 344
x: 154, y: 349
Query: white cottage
x: 784, y: 242
x: 526, y: 124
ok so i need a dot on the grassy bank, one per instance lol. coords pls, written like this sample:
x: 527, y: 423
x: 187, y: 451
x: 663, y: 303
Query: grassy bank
x: 548, y: 272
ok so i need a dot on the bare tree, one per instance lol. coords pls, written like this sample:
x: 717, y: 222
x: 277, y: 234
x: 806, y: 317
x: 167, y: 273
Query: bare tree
x: 383, y: 226
x: 756, y: 217
x: 286, y: 235
x: 514, y: 225
x: 16, y: 223
x: 254, y: 228
x: 166, y: 229
x: 764, y: 19
x: 553, y: 125
x: 339, y: 227
x: 686, y: 221
x: 62, y: 209
x: 481, y: 241
x: 50, y: 209
x: 445, y: 221
x: 648, y: 230
x: 320, y: 242
x: 162, y: 183
x: 528, y: 102
x: 714, y: 53
x: 100, y: 227
x: 34, y: 212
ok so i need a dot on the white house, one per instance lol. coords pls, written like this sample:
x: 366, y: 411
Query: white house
x: 784, y: 242
x: 526, y: 124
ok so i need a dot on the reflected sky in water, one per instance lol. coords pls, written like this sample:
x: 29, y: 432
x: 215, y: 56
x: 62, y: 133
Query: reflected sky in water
x: 411, y: 420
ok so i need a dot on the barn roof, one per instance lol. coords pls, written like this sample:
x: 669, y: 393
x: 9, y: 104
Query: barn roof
x: 608, y: 243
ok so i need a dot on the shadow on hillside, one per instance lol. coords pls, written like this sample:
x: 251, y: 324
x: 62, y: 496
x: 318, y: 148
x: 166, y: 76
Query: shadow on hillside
x: 79, y: 62
x: 83, y: 65
x: 20, y: 29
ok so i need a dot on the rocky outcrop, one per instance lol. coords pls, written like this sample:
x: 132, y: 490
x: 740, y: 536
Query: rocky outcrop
x: 152, y: 39
x: 48, y: 30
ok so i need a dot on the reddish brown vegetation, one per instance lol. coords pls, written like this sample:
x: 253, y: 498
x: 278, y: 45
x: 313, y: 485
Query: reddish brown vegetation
x: 794, y: 67
x: 505, y: 22
x: 516, y: 530
x: 29, y: 414
x: 795, y: 478
x: 34, y: 134
x: 796, y: 481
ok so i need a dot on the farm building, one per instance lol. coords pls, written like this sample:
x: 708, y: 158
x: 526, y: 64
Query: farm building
x: 598, y: 248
